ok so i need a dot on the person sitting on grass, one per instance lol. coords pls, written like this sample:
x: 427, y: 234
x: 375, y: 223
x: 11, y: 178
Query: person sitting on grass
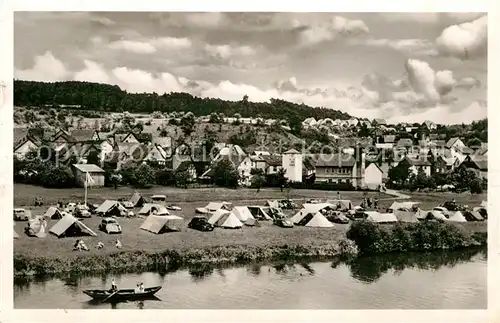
x: 118, y: 244
x: 100, y: 245
x: 76, y: 246
x: 83, y: 246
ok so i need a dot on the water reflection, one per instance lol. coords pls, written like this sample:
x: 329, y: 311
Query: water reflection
x: 200, y: 272
x: 370, y: 269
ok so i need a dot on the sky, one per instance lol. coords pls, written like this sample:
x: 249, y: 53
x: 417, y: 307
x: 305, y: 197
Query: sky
x: 404, y: 67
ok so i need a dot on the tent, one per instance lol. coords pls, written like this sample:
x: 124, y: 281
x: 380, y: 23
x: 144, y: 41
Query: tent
x: 214, y: 206
x: 228, y: 221
x: 258, y: 212
x: 273, y: 204
x: 155, y: 209
x: 472, y: 216
x: 380, y: 217
x: 402, y: 205
x: 457, y: 217
x: 36, y: 227
x: 53, y: 213
x: 316, y: 220
x: 252, y: 222
x: 343, y: 205
x: 310, y: 208
x: 421, y: 214
x: 69, y: 226
x: 217, y: 215
x: 16, y: 236
x: 162, y: 223
x: 482, y: 211
x: 137, y: 200
x: 435, y: 215
x: 405, y: 216
x: 110, y: 208
x: 242, y: 213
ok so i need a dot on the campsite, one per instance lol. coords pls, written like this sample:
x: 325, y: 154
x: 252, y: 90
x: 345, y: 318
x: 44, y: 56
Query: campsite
x: 133, y: 238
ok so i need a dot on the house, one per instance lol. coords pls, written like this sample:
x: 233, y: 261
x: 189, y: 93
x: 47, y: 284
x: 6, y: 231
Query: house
x: 353, y: 122
x: 405, y: 142
x: 61, y: 137
x: 440, y: 165
x: 151, y: 153
x: 164, y: 142
x: 228, y: 150
x: 188, y: 167
x: 420, y: 164
x: 373, y: 176
x: 454, y: 143
x: 273, y: 163
x: 247, y: 164
x: 478, y: 164
x: 77, y: 151
x: 379, y: 122
x: 82, y: 135
x: 430, y: 125
x: 24, y: 142
x: 389, y: 139
x: 335, y: 168
x: 96, y: 175
x: 292, y: 163
x: 128, y: 138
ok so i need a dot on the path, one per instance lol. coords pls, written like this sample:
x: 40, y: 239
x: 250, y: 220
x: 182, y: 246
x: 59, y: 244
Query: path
x: 396, y: 195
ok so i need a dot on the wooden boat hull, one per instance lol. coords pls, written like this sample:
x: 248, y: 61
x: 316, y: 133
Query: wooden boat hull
x: 122, y: 295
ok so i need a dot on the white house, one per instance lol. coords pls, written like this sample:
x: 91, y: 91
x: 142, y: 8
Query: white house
x: 417, y: 164
x: 25, y: 146
x: 373, y: 176
x: 292, y: 163
x: 309, y: 122
x: 128, y: 138
x: 106, y: 149
x: 455, y: 146
x: 156, y: 154
x: 249, y: 163
x: 353, y: 122
x: 430, y: 125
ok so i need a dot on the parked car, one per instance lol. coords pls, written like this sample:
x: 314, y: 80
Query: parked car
x: 200, y: 223
x: 337, y: 217
x: 110, y: 226
x: 283, y: 222
x: 20, y: 215
x: 173, y: 207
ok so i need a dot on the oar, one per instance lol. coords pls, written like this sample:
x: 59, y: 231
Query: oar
x: 109, y: 296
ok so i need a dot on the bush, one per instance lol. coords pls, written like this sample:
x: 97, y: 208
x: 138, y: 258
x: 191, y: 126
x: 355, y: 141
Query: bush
x: 324, y: 186
x: 422, y: 236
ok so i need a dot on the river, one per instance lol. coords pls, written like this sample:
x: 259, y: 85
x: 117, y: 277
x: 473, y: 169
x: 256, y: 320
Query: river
x: 453, y: 280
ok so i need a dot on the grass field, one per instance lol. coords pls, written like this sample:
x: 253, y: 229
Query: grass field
x: 133, y: 238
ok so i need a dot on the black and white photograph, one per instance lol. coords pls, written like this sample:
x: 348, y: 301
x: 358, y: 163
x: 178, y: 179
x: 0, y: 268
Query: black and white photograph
x: 250, y: 160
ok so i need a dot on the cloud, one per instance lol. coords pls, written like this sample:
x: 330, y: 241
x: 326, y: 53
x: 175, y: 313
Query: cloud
x: 46, y: 68
x: 93, y: 72
x: 468, y: 83
x: 317, y: 32
x: 137, y: 47
x: 172, y: 43
x: 383, y: 86
x: 425, y: 81
x: 412, y: 46
x: 228, y: 51
x: 468, y: 40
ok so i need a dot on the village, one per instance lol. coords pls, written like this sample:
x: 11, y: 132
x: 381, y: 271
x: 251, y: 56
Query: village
x: 278, y: 190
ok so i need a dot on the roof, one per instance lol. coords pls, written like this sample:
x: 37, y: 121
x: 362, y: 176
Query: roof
x: 90, y: 168
x: 405, y: 142
x: 419, y: 162
x: 334, y: 160
x: 19, y: 134
x: 353, y: 142
x: 452, y: 141
x: 375, y: 165
x: 82, y: 135
x: 466, y: 150
x: 481, y: 151
x: 480, y: 161
x: 389, y: 139
x: 162, y: 141
x: 291, y: 151
x: 379, y: 121
x: 272, y: 160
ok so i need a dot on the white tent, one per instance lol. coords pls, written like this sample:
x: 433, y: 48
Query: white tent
x: 242, y: 213
x: 318, y: 220
x: 381, y: 217
x: 457, y: 217
x: 435, y: 214
x: 158, y: 224
x: 405, y: 216
x: 230, y: 221
x: 402, y: 205
x: 217, y: 215
x: 259, y: 212
x: 156, y: 209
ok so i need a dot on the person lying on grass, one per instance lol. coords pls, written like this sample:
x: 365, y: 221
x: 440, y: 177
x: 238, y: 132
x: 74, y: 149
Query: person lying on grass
x: 118, y: 244
x: 80, y: 245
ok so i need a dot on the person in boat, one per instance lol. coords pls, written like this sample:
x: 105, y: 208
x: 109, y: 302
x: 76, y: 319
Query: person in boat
x: 137, y: 288
x: 114, y: 287
x: 141, y: 287
x: 118, y: 244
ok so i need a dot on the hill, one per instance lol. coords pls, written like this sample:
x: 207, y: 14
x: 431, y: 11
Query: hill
x: 110, y: 98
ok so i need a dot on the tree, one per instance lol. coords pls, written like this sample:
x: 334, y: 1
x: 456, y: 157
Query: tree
x: 187, y: 123
x: 476, y: 186
x: 258, y: 179
x: 400, y: 173
x: 282, y: 180
x: 182, y: 178
x: 225, y: 174
x: 144, y: 176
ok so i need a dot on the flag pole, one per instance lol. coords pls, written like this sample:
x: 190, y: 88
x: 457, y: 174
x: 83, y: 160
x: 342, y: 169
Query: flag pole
x: 86, y: 179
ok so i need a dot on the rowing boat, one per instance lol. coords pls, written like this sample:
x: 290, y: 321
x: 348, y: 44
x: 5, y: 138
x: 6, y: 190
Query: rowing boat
x: 122, y: 294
